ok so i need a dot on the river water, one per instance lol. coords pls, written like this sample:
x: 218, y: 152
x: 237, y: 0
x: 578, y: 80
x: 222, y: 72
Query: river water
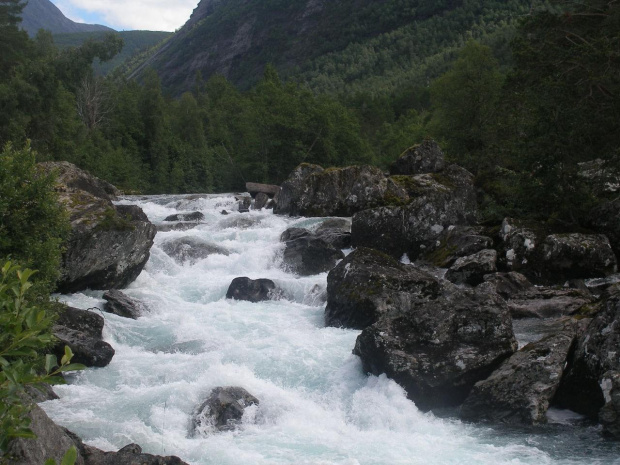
x: 316, y: 405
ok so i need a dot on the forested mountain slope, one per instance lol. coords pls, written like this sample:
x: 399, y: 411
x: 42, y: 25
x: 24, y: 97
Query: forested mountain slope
x: 334, y: 46
x: 43, y: 14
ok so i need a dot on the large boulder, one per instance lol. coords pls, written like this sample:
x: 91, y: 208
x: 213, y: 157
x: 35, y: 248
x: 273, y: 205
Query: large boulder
x: 548, y: 302
x: 605, y: 219
x: 437, y: 201
x: 252, y: 290
x: 519, y: 247
x: 609, y: 415
x: 368, y: 285
x: 76, y: 179
x: 121, y: 304
x: 438, y: 349
x: 223, y: 410
x: 455, y: 242
x: 522, y: 388
x: 191, y: 249
x: 472, y: 269
x: 312, y: 191
x: 426, y: 157
x: 508, y: 284
x: 310, y: 255
x: 595, y: 353
x: 260, y: 201
x: 109, y: 245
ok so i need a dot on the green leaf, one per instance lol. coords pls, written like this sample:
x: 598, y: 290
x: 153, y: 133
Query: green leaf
x: 67, y: 357
x: 50, y: 462
x: 50, y: 362
x: 72, y: 367
x: 70, y: 457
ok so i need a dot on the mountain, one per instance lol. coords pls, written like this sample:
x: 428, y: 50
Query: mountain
x: 43, y: 14
x: 336, y: 46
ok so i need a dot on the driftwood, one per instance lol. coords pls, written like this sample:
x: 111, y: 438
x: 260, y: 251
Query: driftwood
x: 255, y: 188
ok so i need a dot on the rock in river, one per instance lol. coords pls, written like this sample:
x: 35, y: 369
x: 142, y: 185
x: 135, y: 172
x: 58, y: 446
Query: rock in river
x: 252, y: 290
x: 223, y: 410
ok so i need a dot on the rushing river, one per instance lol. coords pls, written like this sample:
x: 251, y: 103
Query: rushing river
x: 316, y: 405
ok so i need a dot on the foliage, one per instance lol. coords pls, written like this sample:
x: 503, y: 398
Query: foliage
x: 25, y: 331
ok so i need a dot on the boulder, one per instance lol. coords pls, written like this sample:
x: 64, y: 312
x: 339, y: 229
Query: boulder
x: 437, y: 201
x: 426, y: 157
x: 131, y: 454
x: 295, y: 233
x: 252, y: 290
x: 191, y: 249
x: 595, y: 353
x: 605, y: 219
x: 109, y: 245
x: 455, y: 242
x: 84, y: 321
x: 368, y: 285
x: 471, y: 269
x: 176, y: 226
x: 255, y: 188
x: 223, y: 410
x: 518, y: 249
x: 338, y: 238
x: 121, y: 304
x: 603, y: 176
x: 72, y: 178
x: 310, y: 255
x: 260, y: 201
x: 508, y: 284
x: 546, y: 302
x: 312, y: 191
x: 570, y: 256
x: 609, y: 415
x: 438, y: 349
x: 191, y: 217
x: 522, y: 388
x: 244, y: 203
x: 343, y: 224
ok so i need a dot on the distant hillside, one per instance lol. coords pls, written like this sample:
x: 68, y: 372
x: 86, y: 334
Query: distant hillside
x: 135, y: 42
x: 43, y: 14
x: 335, y: 46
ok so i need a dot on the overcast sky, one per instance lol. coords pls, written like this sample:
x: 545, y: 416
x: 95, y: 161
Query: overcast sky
x: 152, y: 15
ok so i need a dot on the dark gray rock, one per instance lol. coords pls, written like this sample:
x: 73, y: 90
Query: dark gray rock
x: 295, y: 233
x: 426, y: 157
x: 438, y: 349
x: 522, y: 388
x: 609, y: 415
x: 596, y: 353
x: 176, y: 227
x: 313, y: 191
x: 76, y: 179
x: 508, y: 284
x: 336, y: 237
x: 108, y: 246
x: 545, y: 302
x: 84, y: 321
x: 252, y: 290
x: 471, y: 269
x: 244, y: 203
x: 193, y: 217
x: 519, y: 250
x: 455, y: 242
x: 310, y: 255
x: 605, y: 219
x: 343, y: 224
x: 260, y: 201
x: 87, y: 350
x: 131, y: 454
x: 191, y: 249
x: 122, y: 305
x: 368, y: 284
x: 223, y: 410
x: 437, y: 201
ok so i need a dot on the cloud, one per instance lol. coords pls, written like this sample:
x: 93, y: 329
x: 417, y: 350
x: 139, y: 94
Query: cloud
x: 154, y: 15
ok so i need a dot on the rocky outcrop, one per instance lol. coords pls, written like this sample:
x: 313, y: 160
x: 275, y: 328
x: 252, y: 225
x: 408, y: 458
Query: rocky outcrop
x: 191, y: 249
x: 438, y: 349
x: 368, y: 285
x: 545, y: 302
x: 312, y: 191
x: 609, y: 415
x: 109, y: 245
x: 222, y: 411
x: 189, y: 217
x: 252, y: 290
x: 436, y: 201
x: 309, y: 255
x: 605, y: 219
x: 131, y: 454
x: 455, y: 242
x: 121, y: 304
x: 81, y: 330
x: 522, y: 388
x: 426, y: 157
x: 472, y: 269
x: 75, y: 179
x: 596, y: 353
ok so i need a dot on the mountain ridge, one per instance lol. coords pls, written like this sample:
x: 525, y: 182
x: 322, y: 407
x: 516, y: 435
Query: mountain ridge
x: 43, y: 14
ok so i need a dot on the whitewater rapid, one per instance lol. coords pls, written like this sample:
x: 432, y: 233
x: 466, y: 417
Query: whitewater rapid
x: 316, y: 405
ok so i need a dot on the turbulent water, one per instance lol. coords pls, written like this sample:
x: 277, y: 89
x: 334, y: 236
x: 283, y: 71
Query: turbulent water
x: 316, y: 404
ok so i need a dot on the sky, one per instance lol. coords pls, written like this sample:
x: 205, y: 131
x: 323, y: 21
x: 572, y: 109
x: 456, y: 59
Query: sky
x: 125, y: 15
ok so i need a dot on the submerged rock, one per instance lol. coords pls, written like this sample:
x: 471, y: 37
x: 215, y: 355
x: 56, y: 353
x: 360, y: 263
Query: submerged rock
x: 309, y: 255
x: 368, y: 284
x: 223, y: 410
x: 426, y: 157
x: 121, y: 304
x: 438, y: 349
x: 252, y: 290
x: 193, y: 217
x: 191, y: 249
x: 473, y: 268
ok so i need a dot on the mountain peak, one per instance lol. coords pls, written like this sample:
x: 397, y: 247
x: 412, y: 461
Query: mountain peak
x: 43, y: 14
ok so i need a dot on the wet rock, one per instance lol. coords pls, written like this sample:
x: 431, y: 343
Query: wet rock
x: 438, y: 200
x: 596, y: 353
x: 191, y: 249
x: 131, y: 454
x: 193, y: 216
x: 121, y: 304
x: 294, y: 233
x: 570, y: 256
x: 438, y: 349
x: 312, y: 191
x: 310, y: 255
x: 609, y: 415
x: 109, y: 245
x: 455, y: 242
x: 508, y: 284
x: 471, y: 269
x: 605, y: 219
x: 176, y: 227
x: 426, y: 157
x: 243, y: 204
x: 260, y: 201
x: 522, y: 388
x: 255, y: 188
x: 343, y: 224
x: 252, y: 290
x: 84, y: 321
x: 336, y: 237
x: 239, y: 222
x: 224, y: 212
x: 223, y: 410
x: 368, y: 284
x: 545, y: 302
